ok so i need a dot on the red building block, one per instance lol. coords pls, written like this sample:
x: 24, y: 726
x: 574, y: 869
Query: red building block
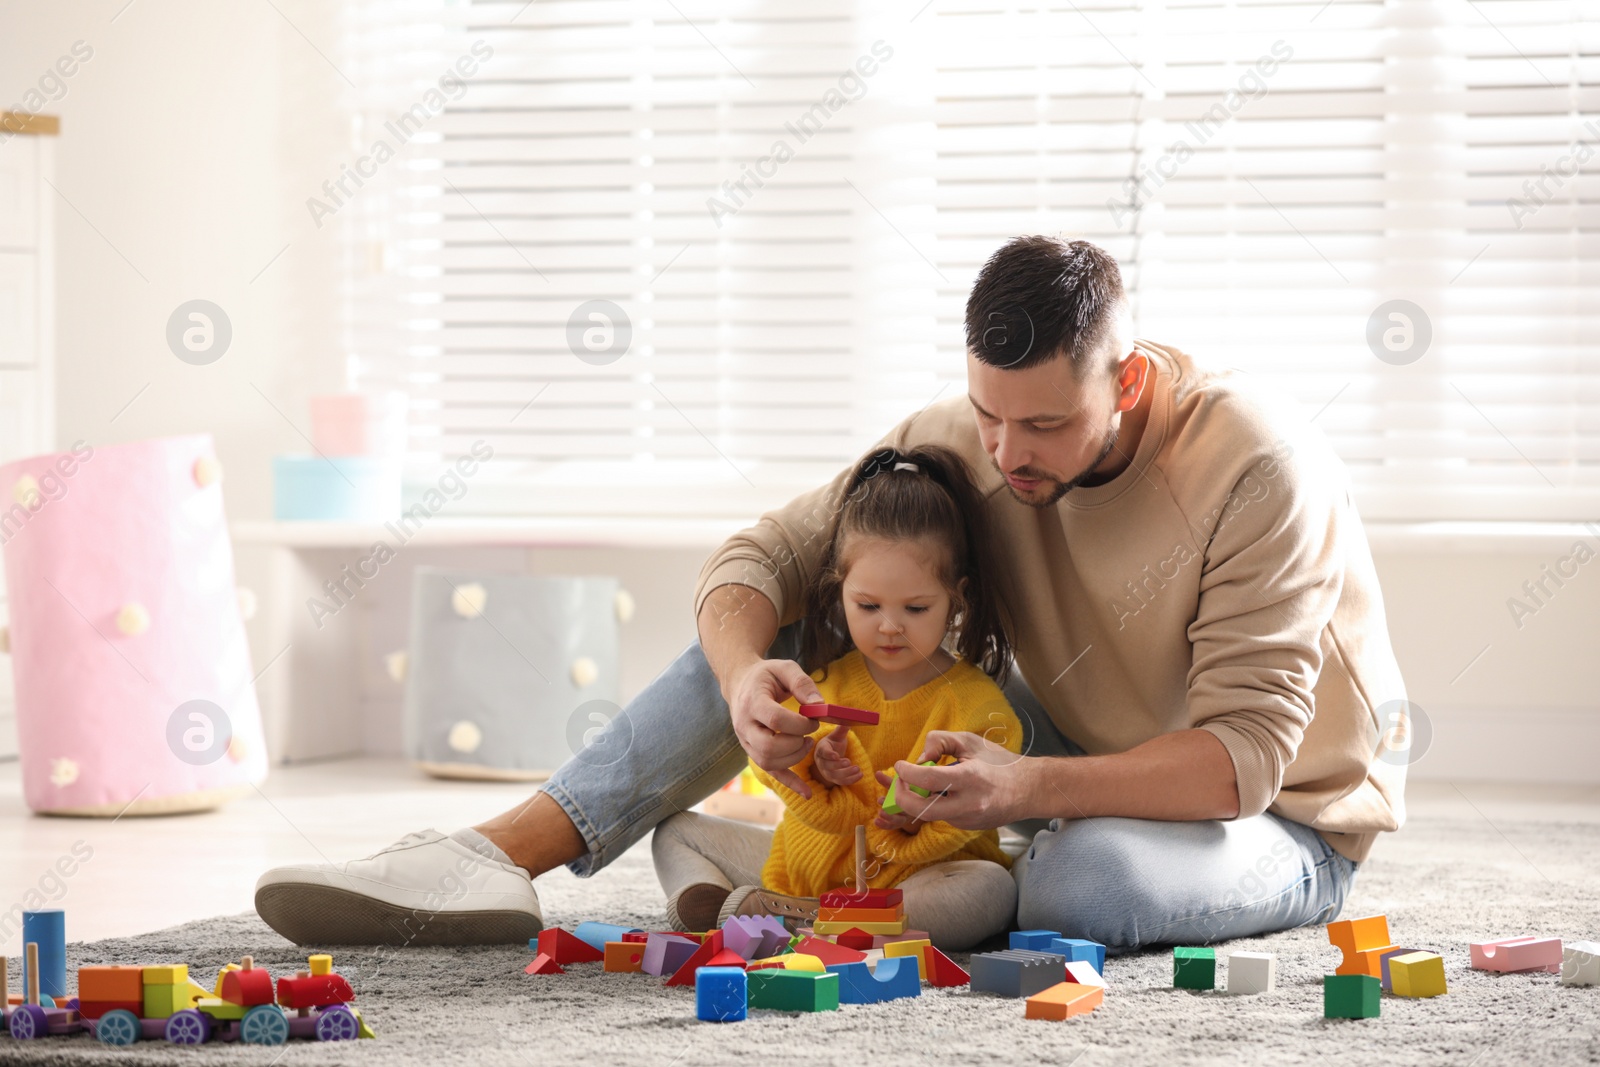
x: 862, y: 898
x: 701, y: 958
x: 830, y: 952
x: 567, y: 948
x: 543, y: 964
x: 839, y: 715
x: 943, y: 971
x: 726, y: 958
x: 856, y: 939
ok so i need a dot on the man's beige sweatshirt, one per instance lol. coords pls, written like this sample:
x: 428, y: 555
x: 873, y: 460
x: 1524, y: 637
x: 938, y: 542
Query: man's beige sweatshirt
x: 1222, y: 581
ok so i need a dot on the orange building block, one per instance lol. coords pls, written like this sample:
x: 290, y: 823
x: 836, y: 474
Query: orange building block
x: 1363, y: 942
x: 111, y: 983
x: 861, y: 914
x: 1065, y: 1000
x: 624, y: 957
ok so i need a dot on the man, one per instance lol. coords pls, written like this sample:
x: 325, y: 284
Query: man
x: 1200, y: 640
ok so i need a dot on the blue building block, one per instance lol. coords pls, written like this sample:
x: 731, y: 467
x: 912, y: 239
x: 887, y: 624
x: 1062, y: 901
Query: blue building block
x: 597, y: 934
x: 1035, y: 940
x: 721, y: 994
x: 1016, y: 972
x: 895, y: 978
x: 1076, y: 949
x: 47, y: 928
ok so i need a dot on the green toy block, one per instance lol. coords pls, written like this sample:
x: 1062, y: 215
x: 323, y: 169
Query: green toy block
x: 1194, y: 968
x: 785, y: 990
x: 1350, y: 996
x: 892, y: 806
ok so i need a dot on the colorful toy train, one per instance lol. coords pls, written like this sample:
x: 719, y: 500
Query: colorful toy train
x: 120, y: 1005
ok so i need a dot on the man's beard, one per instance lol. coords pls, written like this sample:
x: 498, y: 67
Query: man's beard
x: 1062, y: 488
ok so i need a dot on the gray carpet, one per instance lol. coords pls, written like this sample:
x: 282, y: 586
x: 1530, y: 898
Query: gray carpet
x: 1442, y: 883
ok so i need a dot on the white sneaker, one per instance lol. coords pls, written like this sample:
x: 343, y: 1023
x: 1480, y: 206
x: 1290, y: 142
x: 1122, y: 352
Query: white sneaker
x: 425, y: 889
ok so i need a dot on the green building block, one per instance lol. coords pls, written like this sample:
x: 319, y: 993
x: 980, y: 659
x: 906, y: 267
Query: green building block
x: 1350, y: 996
x: 890, y: 804
x: 165, y: 1001
x: 785, y: 990
x: 1194, y: 968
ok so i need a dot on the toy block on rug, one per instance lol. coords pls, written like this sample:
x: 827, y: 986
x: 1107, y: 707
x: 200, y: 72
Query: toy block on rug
x: 1350, y: 996
x: 1514, y: 954
x: 624, y: 957
x: 1384, y: 977
x: 1065, y: 1000
x: 1082, y: 972
x: 1034, y: 940
x: 1363, y: 942
x: 543, y: 964
x: 893, y: 980
x: 1580, y: 963
x: 1417, y: 974
x: 566, y: 948
x: 1076, y: 948
x: 785, y: 990
x: 1016, y: 972
x: 1252, y: 972
x: 1194, y: 968
x: 708, y: 950
x: 665, y: 953
x: 912, y: 949
x: 721, y: 994
x: 943, y: 972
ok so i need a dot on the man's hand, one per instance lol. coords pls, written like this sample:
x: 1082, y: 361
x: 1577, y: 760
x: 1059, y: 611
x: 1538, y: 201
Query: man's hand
x: 903, y: 821
x: 987, y: 788
x: 773, y: 736
x: 832, y: 762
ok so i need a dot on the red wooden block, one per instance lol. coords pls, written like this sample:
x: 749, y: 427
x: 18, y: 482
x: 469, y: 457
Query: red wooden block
x: 702, y: 957
x: 250, y: 987
x: 862, y: 898
x: 839, y: 715
x: 942, y: 970
x: 635, y: 937
x: 543, y: 964
x: 567, y: 948
x: 726, y: 958
x: 93, y: 1009
x: 856, y: 939
x: 830, y: 952
x: 767, y: 965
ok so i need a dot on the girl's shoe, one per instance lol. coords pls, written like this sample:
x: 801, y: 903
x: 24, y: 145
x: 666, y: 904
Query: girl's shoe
x: 696, y: 907
x: 756, y: 900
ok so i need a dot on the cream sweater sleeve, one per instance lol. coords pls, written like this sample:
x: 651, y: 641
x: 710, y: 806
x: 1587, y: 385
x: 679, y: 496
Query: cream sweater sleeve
x: 1273, y: 571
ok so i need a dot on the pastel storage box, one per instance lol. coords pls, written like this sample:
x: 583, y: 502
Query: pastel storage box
x: 335, y: 488
x: 510, y: 675
x: 132, y: 673
x: 359, y: 424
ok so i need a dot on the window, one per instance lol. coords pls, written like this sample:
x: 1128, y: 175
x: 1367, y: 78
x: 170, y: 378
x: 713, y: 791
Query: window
x: 1274, y: 177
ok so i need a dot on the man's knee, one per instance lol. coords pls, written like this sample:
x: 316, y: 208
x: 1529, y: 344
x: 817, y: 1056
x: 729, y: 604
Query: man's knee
x: 1089, y: 879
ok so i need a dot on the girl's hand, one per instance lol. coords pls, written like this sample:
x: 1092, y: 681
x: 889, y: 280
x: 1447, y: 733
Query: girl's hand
x: 904, y: 821
x: 832, y: 763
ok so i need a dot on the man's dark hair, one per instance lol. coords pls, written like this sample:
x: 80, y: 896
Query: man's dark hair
x: 1039, y: 297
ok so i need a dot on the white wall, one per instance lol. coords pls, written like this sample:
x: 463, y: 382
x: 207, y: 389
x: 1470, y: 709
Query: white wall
x: 189, y: 143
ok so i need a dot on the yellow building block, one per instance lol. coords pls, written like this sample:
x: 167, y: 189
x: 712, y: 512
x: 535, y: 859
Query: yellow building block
x: 162, y: 1001
x: 866, y: 928
x: 794, y: 961
x: 321, y: 963
x: 910, y: 948
x: 172, y: 974
x: 1417, y: 974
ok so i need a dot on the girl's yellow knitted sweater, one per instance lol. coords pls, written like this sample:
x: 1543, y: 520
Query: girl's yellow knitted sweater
x: 813, y: 849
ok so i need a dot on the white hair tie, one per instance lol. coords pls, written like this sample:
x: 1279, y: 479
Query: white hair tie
x: 904, y: 466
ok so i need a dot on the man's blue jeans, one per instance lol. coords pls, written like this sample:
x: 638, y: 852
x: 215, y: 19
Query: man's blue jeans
x: 1125, y: 883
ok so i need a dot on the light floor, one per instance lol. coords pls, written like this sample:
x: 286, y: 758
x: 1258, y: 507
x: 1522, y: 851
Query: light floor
x: 144, y: 874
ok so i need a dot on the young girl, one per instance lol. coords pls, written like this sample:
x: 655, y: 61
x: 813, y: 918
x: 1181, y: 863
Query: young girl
x: 899, y: 620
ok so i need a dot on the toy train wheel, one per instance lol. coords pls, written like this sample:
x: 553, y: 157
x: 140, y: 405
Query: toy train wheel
x: 337, y: 1024
x: 119, y: 1027
x: 29, y: 1021
x: 264, y: 1024
x: 189, y: 1027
